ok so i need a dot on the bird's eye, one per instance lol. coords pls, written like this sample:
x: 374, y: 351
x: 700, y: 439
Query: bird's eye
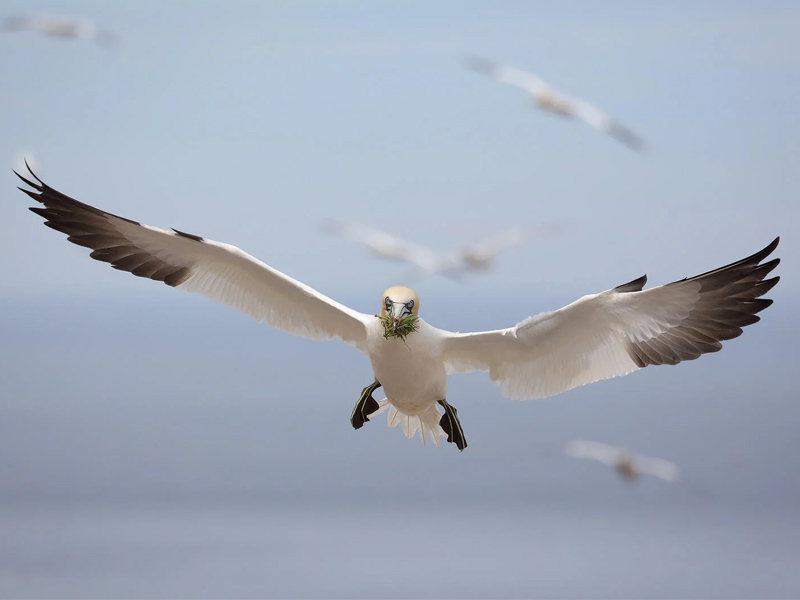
x: 410, y: 304
x: 387, y: 302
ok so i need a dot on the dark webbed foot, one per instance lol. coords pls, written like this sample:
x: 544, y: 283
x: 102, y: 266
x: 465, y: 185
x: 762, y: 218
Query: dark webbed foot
x: 365, y: 406
x: 452, y: 426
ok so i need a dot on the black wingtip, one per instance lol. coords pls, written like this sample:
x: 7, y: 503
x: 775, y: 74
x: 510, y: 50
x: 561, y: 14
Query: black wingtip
x: 40, y: 186
x: 762, y: 254
x: 29, y: 182
x: 774, y: 244
x: 628, y: 137
x: 632, y: 286
x: 33, y: 195
x: 31, y: 171
x: 190, y: 236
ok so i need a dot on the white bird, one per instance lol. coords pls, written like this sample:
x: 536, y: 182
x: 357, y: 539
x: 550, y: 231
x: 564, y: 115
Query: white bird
x: 388, y: 247
x: 61, y: 27
x: 556, y: 102
x: 474, y: 257
x: 629, y: 466
x: 599, y: 336
x: 480, y: 256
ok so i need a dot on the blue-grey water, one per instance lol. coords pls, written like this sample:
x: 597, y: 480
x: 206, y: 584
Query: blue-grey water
x: 173, y: 448
x: 485, y: 551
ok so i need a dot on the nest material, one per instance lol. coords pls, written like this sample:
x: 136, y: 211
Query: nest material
x: 399, y: 328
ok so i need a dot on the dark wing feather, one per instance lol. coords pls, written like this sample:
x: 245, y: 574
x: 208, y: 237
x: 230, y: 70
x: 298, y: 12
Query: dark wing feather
x: 94, y: 229
x: 728, y: 299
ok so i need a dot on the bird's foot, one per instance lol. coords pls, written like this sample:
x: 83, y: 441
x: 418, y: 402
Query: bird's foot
x: 365, y: 406
x: 452, y: 426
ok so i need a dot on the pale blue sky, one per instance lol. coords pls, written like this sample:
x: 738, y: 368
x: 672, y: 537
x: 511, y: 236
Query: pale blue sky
x: 248, y: 122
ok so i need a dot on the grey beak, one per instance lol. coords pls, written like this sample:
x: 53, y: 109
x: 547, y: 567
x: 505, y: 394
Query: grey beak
x: 399, y: 310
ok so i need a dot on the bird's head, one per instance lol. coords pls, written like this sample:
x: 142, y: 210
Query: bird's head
x: 399, y: 312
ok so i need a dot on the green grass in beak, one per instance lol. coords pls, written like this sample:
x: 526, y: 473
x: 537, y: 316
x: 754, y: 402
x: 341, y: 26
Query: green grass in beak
x: 399, y: 328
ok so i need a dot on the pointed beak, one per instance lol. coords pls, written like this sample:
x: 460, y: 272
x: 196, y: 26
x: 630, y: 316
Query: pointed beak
x: 399, y: 310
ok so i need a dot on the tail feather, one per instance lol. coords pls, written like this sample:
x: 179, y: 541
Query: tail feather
x: 427, y: 423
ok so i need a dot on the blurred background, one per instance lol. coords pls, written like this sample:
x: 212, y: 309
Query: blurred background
x: 155, y: 444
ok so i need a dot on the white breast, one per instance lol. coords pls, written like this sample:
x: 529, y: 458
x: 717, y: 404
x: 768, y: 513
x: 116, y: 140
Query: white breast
x: 411, y: 371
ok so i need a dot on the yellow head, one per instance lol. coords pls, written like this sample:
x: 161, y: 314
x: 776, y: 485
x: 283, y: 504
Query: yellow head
x: 399, y: 301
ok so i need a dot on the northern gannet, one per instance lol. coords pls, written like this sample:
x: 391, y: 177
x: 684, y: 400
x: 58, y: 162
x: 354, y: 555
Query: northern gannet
x: 61, y: 27
x: 629, y: 466
x: 597, y: 337
x: 388, y: 247
x: 556, y: 102
x: 479, y: 256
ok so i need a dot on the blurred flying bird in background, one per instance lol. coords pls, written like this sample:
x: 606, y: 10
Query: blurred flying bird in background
x: 60, y: 27
x: 388, y: 247
x: 629, y: 466
x: 477, y: 257
x: 556, y: 102
x: 480, y: 256
x: 597, y: 337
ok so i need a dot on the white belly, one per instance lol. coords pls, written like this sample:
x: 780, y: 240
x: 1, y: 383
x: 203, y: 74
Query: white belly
x: 411, y: 372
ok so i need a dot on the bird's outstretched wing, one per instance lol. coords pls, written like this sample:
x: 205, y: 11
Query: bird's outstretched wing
x: 566, y: 105
x: 218, y: 271
x: 592, y: 451
x: 658, y: 467
x: 617, y: 331
x: 505, y: 74
x: 611, y: 455
x: 602, y: 122
x: 57, y: 26
x: 488, y: 248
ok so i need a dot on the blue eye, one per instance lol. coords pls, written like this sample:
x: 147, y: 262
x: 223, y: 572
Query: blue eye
x: 410, y: 304
x: 387, y: 301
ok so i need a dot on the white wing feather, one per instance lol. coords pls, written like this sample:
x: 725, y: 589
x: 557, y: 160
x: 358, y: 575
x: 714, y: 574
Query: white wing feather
x: 490, y: 247
x: 593, y: 451
x: 657, y: 467
x: 602, y: 122
x: 617, y: 331
x: 505, y: 74
x: 218, y: 271
x: 591, y: 115
x: 549, y: 353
